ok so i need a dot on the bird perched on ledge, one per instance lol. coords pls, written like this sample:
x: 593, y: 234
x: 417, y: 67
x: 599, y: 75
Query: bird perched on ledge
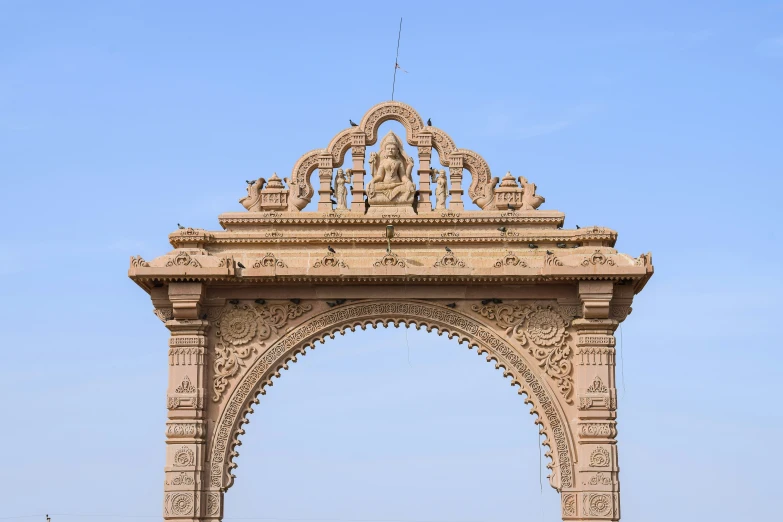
x: 353, y: 124
x: 180, y: 227
x: 429, y: 122
x: 330, y: 249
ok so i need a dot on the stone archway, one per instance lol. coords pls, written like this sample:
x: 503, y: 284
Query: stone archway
x: 540, y: 302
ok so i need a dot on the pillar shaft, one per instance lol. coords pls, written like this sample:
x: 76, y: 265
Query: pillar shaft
x: 358, y: 148
x: 455, y: 182
x: 185, y: 495
x: 596, y: 492
x: 425, y: 174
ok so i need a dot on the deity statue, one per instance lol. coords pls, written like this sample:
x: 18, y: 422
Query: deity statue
x: 441, y: 189
x: 391, y: 183
x: 340, y: 190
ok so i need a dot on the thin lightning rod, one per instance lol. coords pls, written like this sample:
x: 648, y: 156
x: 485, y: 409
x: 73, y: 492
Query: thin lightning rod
x: 396, y: 65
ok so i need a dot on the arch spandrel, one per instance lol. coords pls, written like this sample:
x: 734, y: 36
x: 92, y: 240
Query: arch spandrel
x: 549, y: 406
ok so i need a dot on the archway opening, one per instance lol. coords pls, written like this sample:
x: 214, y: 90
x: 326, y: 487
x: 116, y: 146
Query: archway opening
x: 391, y: 424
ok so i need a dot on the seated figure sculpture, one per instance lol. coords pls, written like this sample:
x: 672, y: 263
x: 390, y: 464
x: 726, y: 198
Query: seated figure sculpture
x: 391, y: 183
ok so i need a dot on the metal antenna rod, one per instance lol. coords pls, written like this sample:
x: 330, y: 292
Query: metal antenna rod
x: 396, y: 65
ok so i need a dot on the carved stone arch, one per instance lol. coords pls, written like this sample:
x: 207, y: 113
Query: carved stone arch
x: 546, y: 406
x: 482, y: 185
x: 339, y: 146
x: 301, y: 190
x: 391, y: 110
x: 443, y: 144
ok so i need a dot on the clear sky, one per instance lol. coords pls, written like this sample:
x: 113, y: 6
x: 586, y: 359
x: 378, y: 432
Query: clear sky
x: 119, y: 120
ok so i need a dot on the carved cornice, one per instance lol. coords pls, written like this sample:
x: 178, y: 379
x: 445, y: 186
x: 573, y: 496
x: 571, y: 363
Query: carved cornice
x: 538, y: 217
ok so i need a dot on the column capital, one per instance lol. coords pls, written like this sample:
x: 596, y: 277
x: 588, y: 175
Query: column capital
x: 185, y: 299
x: 596, y: 297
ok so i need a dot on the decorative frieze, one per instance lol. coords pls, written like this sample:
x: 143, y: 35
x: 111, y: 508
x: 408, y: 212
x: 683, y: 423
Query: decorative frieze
x: 597, y: 429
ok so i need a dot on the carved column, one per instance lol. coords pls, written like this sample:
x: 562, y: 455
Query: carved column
x: 325, y: 187
x: 358, y: 144
x: 186, y: 452
x: 455, y: 182
x: 597, y: 487
x: 425, y: 172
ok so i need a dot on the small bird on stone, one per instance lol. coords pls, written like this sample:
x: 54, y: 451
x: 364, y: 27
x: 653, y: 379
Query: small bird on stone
x: 429, y: 122
x: 495, y: 300
x: 331, y: 304
x: 240, y: 265
x: 180, y: 227
x: 452, y: 305
x: 330, y: 249
x: 448, y: 250
x: 532, y: 245
x: 485, y: 302
x: 249, y: 182
x: 502, y: 229
x: 261, y: 301
x: 295, y: 301
x: 550, y: 253
x: 562, y: 245
x: 512, y: 208
x: 340, y: 301
x: 204, y: 317
x: 578, y: 227
x: 234, y: 302
x: 353, y: 124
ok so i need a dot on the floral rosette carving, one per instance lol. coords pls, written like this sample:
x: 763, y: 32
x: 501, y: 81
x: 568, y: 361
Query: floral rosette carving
x: 543, y: 330
x: 241, y: 330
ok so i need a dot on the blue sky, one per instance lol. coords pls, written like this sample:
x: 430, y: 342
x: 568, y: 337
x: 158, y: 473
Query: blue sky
x: 119, y: 120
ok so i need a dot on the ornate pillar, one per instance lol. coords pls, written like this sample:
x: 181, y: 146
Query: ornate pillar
x: 325, y: 178
x: 597, y: 487
x: 455, y: 179
x: 358, y: 144
x: 425, y: 172
x: 186, y: 451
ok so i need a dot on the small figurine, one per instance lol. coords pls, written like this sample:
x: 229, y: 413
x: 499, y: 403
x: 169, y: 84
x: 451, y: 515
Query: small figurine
x: 441, y: 190
x: 340, y: 190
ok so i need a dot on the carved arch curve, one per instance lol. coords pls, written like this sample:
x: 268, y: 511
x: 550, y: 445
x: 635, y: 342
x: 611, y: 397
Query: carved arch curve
x: 482, y: 185
x: 553, y: 423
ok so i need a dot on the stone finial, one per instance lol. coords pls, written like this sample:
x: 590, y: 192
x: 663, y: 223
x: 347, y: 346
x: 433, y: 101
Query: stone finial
x: 263, y: 195
x: 508, y: 195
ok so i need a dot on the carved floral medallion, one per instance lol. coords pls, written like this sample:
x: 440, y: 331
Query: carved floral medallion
x: 241, y: 330
x: 543, y: 330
